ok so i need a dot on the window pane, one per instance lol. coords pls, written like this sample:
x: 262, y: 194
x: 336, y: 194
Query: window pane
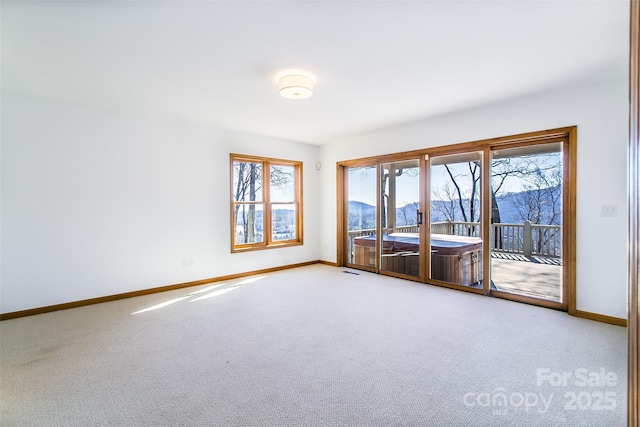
x: 283, y: 222
x: 455, y: 193
x: 456, y: 241
x: 247, y: 181
x: 400, y: 190
x: 526, y: 221
x: 361, y: 191
x: 281, y: 182
x: 361, y: 215
x: 249, y: 223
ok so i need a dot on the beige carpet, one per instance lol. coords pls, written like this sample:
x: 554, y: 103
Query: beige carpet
x: 311, y: 346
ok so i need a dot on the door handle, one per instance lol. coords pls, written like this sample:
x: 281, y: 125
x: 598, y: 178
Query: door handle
x: 419, y: 217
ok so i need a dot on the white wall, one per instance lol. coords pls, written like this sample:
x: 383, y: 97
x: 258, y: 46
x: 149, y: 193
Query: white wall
x: 97, y: 203
x: 601, y: 114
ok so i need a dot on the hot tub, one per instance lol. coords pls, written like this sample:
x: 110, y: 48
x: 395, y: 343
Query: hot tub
x: 454, y: 259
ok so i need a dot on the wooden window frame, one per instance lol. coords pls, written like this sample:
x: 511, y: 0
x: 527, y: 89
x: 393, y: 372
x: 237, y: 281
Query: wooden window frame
x: 267, y: 240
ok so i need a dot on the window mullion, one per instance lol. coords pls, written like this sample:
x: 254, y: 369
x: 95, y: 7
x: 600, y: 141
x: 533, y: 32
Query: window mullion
x: 266, y: 186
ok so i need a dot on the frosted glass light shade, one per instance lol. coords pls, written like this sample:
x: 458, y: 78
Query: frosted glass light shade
x: 296, y: 87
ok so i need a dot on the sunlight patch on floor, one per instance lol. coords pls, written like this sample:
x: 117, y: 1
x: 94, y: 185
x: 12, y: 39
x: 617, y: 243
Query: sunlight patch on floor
x: 215, y: 294
x: 207, y: 289
x: 213, y: 291
x: 161, y: 305
x: 251, y: 280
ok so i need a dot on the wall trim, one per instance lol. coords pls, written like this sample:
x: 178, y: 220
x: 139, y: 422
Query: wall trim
x: 115, y: 297
x: 601, y: 318
x: 98, y: 300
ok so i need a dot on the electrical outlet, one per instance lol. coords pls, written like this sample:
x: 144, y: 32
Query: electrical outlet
x: 188, y: 262
x: 609, y: 210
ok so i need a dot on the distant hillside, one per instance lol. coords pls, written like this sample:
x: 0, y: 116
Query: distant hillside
x: 283, y: 220
x: 539, y: 206
x: 508, y: 211
x: 533, y: 203
x: 361, y: 216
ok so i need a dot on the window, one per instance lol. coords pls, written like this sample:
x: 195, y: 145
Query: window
x: 266, y: 203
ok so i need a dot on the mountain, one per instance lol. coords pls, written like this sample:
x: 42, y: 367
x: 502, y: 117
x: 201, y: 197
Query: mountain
x: 542, y: 206
x: 361, y: 216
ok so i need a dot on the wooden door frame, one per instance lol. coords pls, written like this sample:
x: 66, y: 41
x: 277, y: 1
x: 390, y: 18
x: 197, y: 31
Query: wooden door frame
x: 568, y: 135
x: 633, y: 188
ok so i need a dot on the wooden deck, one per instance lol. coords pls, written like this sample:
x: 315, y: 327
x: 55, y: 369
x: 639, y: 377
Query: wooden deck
x: 537, y: 277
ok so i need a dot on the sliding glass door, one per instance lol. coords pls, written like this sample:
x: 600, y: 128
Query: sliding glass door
x: 526, y: 221
x: 361, y: 216
x: 500, y: 215
x: 401, y: 217
x: 455, y: 219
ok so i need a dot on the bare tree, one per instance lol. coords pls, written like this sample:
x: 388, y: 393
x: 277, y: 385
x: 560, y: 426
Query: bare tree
x: 407, y: 214
x: 464, y: 184
x: 467, y: 195
x: 541, y: 203
x: 501, y: 169
x: 248, y: 177
x: 281, y: 176
x: 444, y: 201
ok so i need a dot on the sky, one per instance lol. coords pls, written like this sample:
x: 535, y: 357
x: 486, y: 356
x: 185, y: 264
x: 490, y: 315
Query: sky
x: 362, y: 181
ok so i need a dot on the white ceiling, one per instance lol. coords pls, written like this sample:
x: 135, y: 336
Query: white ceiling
x: 377, y: 63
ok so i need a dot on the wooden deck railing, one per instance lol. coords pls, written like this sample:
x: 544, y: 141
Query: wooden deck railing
x: 456, y: 228
x: 527, y: 239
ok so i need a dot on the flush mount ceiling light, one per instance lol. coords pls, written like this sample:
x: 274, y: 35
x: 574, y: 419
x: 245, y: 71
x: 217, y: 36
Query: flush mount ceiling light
x: 295, y: 86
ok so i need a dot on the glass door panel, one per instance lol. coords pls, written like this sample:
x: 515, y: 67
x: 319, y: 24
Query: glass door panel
x: 526, y: 221
x: 455, y: 212
x: 361, y: 218
x: 400, y: 201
